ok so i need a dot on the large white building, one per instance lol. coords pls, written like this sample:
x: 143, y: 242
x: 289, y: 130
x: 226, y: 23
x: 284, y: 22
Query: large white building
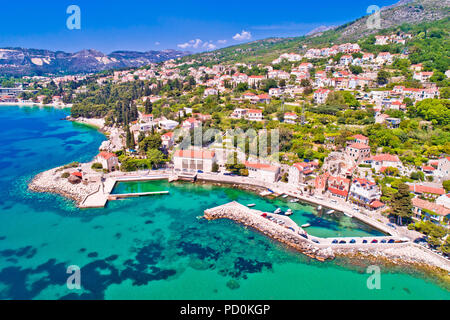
x: 194, y: 160
x: 364, y: 191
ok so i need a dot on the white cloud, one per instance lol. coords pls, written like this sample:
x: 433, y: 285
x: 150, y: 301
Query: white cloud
x: 222, y: 41
x: 191, y: 44
x: 244, y: 35
x: 157, y: 43
x: 198, y: 44
x: 210, y: 46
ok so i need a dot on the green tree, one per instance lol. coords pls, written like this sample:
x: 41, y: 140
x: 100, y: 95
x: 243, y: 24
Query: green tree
x: 446, y: 185
x: 401, y: 205
x: 155, y: 157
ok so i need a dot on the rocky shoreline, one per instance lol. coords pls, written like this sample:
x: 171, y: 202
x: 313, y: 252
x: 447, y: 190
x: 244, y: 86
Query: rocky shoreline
x: 51, y: 182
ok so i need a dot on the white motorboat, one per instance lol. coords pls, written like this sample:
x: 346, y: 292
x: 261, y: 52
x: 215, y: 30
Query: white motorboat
x: 306, y: 225
x: 319, y: 208
x: 285, y: 196
x: 278, y: 211
x: 251, y: 205
x: 294, y: 201
x: 330, y: 211
x: 348, y: 215
x: 289, y: 212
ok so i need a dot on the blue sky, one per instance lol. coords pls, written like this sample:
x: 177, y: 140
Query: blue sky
x: 155, y: 25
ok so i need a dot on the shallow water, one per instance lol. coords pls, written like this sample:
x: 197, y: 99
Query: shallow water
x: 155, y: 247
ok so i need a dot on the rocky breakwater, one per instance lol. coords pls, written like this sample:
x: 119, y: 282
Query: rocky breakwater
x: 252, y: 218
x: 56, y: 181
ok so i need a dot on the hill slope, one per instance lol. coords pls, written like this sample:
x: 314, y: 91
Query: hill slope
x: 403, y: 12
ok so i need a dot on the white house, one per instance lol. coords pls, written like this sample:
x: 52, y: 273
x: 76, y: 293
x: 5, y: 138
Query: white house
x: 383, y: 161
x: 254, y: 115
x: 321, y: 95
x: 108, y: 160
x: 167, y: 140
x: 364, y: 191
x: 290, y: 117
x: 168, y: 124
x: 358, y: 151
x: 263, y: 172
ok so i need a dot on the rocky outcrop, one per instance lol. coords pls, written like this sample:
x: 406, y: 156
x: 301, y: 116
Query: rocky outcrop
x: 51, y: 181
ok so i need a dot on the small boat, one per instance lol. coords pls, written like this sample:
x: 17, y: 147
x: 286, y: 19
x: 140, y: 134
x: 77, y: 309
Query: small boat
x: 319, y: 208
x: 278, y: 211
x: 289, y: 212
x: 330, y: 211
x: 251, y: 205
x: 348, y: 215
x: 306, y: 225
x: 285, y: 196
x: 293, y: 201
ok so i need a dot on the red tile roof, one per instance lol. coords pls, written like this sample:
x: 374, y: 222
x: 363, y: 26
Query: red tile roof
x: 261, y: 166
x: 106, y: 155
x: 195, y: 154
x: 377, y: 204
x: 343, y: 193
x: 433, y: 207
x: 384, y: 157
x: 360, y: 137
x: 359, y: 146
x: 417, y: 188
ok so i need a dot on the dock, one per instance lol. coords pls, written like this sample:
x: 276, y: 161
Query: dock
x: 135, y: 195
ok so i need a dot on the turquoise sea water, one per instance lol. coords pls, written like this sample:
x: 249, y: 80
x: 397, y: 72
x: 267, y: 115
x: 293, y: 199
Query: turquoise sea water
x: 155, y: 247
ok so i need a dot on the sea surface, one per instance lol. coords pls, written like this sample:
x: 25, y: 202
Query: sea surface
x: 157, y: 247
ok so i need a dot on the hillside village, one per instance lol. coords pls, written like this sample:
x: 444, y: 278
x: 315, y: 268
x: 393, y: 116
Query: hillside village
x: 357, y: 123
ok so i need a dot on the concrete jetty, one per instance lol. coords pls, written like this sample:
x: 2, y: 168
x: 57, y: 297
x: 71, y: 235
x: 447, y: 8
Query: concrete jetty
x: 285, y: 230
x: 282, y: 233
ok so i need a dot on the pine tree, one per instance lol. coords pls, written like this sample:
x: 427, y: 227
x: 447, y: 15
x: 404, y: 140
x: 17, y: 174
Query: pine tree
x: 401, y: 205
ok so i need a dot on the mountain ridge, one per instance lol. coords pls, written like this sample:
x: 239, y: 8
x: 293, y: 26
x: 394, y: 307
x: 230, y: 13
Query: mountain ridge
x: 16, y: 61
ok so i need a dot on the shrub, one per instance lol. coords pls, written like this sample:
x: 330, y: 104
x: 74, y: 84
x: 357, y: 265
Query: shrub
x: 65, y: 175
x: 97, y: 166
